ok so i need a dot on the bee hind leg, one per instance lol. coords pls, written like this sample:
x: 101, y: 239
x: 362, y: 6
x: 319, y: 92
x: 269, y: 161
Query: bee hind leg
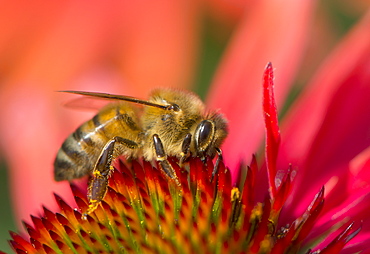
x: 99, y: 182
x: 162, y: 159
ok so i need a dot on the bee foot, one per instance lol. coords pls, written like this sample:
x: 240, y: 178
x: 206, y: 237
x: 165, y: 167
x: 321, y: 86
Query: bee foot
x: 92, y: 207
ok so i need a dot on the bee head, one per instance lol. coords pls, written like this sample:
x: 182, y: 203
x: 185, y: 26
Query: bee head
x: 209, y: 135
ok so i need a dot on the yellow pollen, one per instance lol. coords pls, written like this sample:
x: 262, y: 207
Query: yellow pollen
x: 265, y: 245
x: 256, y: 213
x: 96, y: 173
x: 235, y: 194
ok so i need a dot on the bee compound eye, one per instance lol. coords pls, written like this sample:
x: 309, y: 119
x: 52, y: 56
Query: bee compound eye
x: 204, y: 134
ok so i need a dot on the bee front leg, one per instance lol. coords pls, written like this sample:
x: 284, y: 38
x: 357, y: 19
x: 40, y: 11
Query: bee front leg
x: 162, y: 159
x: 99, y: 182
x: 218, y: 160
x: 185, y: 149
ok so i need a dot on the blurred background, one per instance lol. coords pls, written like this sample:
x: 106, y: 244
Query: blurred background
x: 116, y: 47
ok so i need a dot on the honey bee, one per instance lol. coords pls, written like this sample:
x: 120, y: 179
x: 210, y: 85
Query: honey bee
x: 171, y: 123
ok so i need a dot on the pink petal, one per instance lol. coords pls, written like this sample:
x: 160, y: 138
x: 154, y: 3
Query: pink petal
x: 329, y: 124
x: 263, y: 36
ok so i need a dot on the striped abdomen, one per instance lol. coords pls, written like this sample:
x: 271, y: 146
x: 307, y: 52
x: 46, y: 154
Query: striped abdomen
x: 81, y: 149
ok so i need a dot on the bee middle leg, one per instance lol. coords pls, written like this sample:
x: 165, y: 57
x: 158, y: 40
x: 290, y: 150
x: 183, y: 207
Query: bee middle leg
x: 162, y: 159
x: 99, y: 183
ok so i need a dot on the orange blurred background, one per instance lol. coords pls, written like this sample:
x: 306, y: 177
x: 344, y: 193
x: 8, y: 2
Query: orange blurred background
x: 120, y: 47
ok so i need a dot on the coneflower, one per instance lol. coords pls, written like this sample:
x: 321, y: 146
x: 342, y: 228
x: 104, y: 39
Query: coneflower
x: 145, y: 212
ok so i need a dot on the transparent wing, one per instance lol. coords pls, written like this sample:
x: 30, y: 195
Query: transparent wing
x: 108, y: 96
x: 86, y: 103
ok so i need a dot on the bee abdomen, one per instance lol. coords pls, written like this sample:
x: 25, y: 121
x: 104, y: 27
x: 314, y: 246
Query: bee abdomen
x: 80, y: 151
x: 72, y: 160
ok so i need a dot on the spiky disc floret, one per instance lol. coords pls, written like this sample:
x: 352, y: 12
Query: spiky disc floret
x: 145, y: 212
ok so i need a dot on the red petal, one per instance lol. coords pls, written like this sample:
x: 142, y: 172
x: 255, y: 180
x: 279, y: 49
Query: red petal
x: 283, y: 192
x: 310, y: 217
x: 249, y: 187
x: 340, y: 241
x: 272, y: 127
x: 262, y: 229
x: 20, y: 243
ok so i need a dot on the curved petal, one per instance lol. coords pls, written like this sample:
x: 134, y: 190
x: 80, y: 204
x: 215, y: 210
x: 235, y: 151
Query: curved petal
x: 329, y: 124
x: 262, y: 37
x: 272, y: 128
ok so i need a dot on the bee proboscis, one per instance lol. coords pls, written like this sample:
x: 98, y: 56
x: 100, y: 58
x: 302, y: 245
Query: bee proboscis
x: 171, y: 123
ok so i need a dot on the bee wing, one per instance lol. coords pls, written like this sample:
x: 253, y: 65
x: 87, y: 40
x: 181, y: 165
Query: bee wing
x: 108, y: 96
x: 85, y: 104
